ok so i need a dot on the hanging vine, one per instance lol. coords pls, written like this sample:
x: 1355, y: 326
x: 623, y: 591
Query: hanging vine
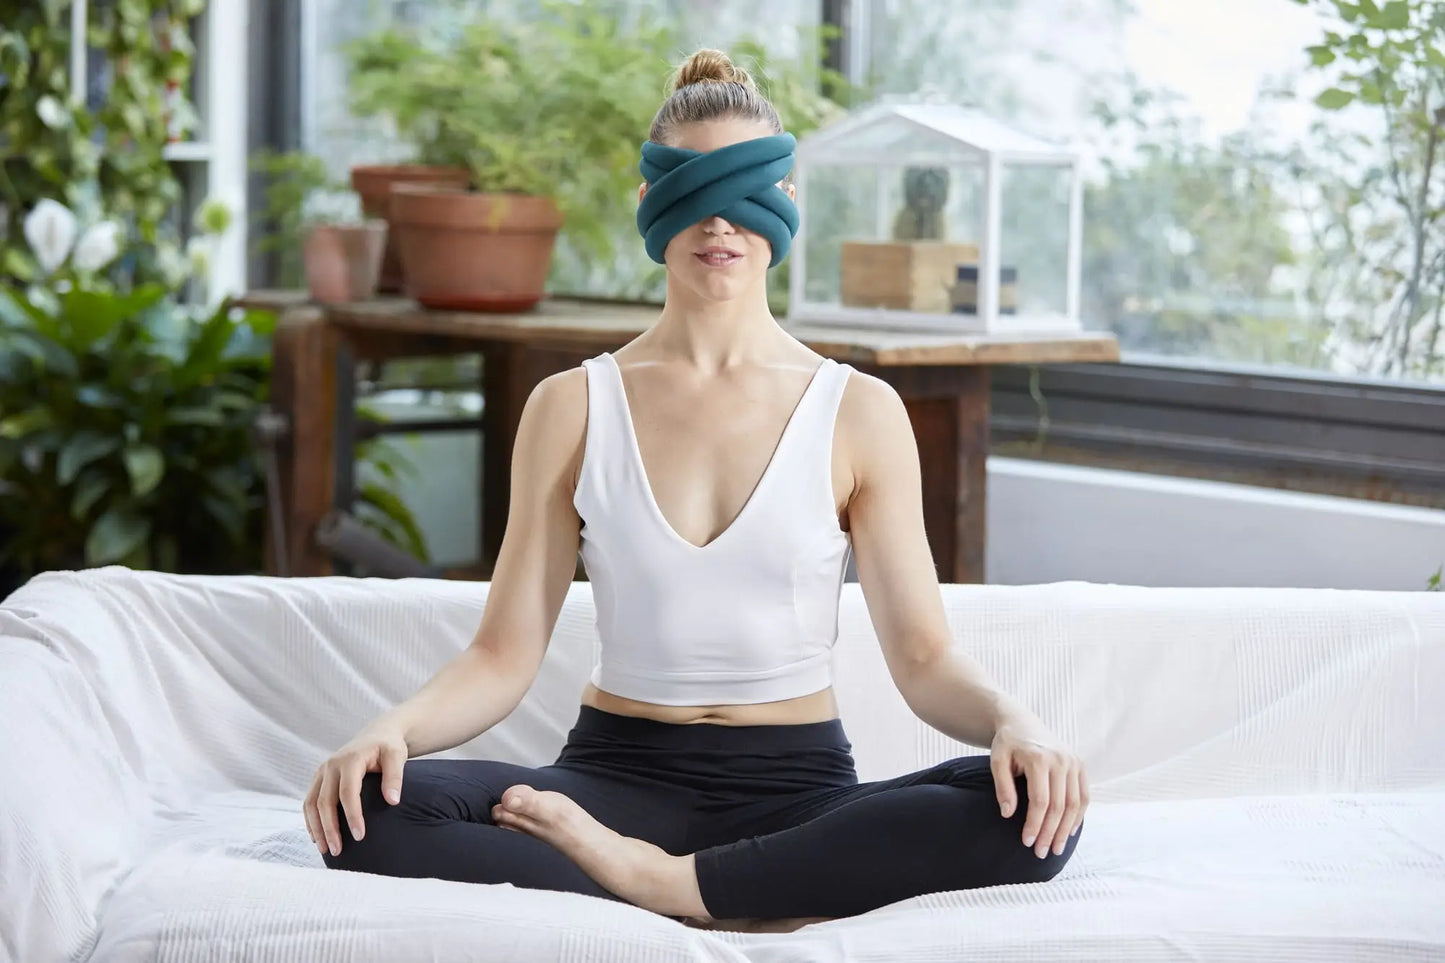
x: 98, y: 150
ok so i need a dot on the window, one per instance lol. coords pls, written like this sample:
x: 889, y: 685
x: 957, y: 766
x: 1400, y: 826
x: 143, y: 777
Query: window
x: 1229, y: 217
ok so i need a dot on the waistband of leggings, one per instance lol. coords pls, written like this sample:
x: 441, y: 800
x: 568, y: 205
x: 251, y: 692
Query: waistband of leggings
x: 709, y: 735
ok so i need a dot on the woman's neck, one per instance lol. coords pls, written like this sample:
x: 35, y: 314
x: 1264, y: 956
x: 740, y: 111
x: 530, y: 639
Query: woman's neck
x: 715, y: 334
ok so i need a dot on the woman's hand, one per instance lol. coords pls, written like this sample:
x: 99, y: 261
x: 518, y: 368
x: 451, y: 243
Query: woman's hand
x: 376, y: 748
x: 1058, y: 790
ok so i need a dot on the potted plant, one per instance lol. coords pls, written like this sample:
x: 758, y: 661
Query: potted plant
x: 341, y: 248
x: 124, y: 435
x: 385, y: 82
x: 373, y: 183
x: 547, y: 145
x: 342, y: 252
x: 126, y: 414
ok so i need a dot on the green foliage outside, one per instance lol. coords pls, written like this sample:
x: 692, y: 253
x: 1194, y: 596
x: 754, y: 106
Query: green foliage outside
x: 1378, y: 257
x: 1326, y: 254
x: 1183, y: 241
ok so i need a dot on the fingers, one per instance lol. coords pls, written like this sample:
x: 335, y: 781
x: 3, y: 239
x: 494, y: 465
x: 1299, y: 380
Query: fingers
x: 1073, y: 811
x: 1054, y: 813
x: 1037, y: 772
x: 326, y: 809
x: 393, y: 760
x: 351, y: 772
x: 1003, y: 782
x: 313, y: 820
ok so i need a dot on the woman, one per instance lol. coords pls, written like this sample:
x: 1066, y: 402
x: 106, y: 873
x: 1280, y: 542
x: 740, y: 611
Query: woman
x: 715, y: 474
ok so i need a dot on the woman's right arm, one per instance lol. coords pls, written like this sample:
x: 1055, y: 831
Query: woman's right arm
x: 483, y: 683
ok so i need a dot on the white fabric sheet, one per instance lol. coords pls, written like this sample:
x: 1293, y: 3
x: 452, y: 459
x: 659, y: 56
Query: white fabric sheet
x: 1267, y: 767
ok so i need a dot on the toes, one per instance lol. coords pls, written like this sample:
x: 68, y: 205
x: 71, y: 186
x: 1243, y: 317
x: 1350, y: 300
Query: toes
x: 541, y: 806
x: 519, y: 798
x: 507, y: 819
x: 518, y: 826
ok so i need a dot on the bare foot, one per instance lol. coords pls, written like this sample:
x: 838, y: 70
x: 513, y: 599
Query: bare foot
x: 637, y: 871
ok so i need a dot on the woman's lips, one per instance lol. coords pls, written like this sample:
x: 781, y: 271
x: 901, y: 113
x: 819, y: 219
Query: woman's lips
x: 719, y: 260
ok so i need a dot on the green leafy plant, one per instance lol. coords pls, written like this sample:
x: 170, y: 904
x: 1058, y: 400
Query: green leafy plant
x: 1387, y: 192
x: 520, y: 105
x: 107, y: 154
x: 1433, y: 585
x: 124, y: 435
x: 124, y: 412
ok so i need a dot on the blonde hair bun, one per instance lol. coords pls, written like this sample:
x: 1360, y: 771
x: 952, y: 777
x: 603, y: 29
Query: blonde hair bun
x: 709, y: 66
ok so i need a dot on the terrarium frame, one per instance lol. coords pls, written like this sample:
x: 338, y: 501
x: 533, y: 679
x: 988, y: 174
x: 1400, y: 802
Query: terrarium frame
x: 989, y: 145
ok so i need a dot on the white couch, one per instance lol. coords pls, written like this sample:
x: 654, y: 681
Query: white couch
x: 1268, y: 773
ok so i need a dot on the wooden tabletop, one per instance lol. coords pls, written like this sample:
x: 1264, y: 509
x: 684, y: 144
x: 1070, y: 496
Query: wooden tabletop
x: 608, y: 324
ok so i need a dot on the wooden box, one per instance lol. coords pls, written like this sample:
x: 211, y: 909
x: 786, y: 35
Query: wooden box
x: 903, y: 275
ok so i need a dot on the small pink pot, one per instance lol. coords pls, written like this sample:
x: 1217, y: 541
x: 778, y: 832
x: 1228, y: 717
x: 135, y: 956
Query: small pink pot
x: 343, y: 261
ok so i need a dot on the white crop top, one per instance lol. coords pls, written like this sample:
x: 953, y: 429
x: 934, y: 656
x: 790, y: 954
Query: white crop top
x: 750, y: 617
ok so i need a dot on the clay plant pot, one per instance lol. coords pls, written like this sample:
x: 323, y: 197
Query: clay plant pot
x: 343, y: 261
x: 373, y: 183
x: 468, y: 251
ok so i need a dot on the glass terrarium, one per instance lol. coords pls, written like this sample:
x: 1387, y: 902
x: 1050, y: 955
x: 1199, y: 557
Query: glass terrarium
x: 935, y: 217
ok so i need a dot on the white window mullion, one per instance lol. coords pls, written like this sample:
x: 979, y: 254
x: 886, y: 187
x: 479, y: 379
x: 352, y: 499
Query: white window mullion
x: 221, y: 67
x: 78, y: 19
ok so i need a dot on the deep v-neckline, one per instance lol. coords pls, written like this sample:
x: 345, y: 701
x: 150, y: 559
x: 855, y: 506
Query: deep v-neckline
x: 758, y: 486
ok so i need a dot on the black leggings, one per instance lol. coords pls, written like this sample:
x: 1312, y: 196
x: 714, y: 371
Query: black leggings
x: 775, y: 815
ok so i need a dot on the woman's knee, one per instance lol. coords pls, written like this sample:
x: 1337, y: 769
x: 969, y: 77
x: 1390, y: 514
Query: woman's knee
x: 993, y: 850
x: 1025, y: 866
x: 964, y: 772
x: 381, y: 823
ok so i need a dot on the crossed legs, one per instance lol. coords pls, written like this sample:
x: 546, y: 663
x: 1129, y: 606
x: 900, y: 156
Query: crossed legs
x: 828, y: 853
x: 822, y: 853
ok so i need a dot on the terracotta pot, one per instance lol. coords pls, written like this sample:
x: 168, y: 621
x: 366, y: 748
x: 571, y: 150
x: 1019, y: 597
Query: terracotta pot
x: 373, y: 183
x: 343, y: 261
x: 474, y: 252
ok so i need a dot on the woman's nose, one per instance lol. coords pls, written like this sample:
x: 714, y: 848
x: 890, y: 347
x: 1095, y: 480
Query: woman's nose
x: 717, y: 225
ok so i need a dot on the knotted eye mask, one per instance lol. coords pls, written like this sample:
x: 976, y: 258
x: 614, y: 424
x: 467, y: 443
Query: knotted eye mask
x: 738, y: 183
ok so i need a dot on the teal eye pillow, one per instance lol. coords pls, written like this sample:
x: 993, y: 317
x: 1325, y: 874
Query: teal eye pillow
x: 738, y: 183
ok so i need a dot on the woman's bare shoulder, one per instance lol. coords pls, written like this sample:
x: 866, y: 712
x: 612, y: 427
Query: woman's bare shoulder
x: 873, y: 429
x: 553, y: 428
x: 870, y: 405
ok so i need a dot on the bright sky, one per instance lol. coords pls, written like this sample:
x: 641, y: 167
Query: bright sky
x: 1217, y: 52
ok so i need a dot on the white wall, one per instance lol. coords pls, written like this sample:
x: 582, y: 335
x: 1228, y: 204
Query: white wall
x: 1057, y: 522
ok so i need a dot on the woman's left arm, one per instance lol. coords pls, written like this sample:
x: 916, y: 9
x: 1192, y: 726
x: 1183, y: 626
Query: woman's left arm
x: 942, y: 684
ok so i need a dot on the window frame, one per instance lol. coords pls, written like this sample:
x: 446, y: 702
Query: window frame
x: 1359, y: 438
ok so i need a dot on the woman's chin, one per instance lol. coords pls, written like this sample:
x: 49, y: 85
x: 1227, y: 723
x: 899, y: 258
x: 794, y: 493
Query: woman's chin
x: 714, y: 286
